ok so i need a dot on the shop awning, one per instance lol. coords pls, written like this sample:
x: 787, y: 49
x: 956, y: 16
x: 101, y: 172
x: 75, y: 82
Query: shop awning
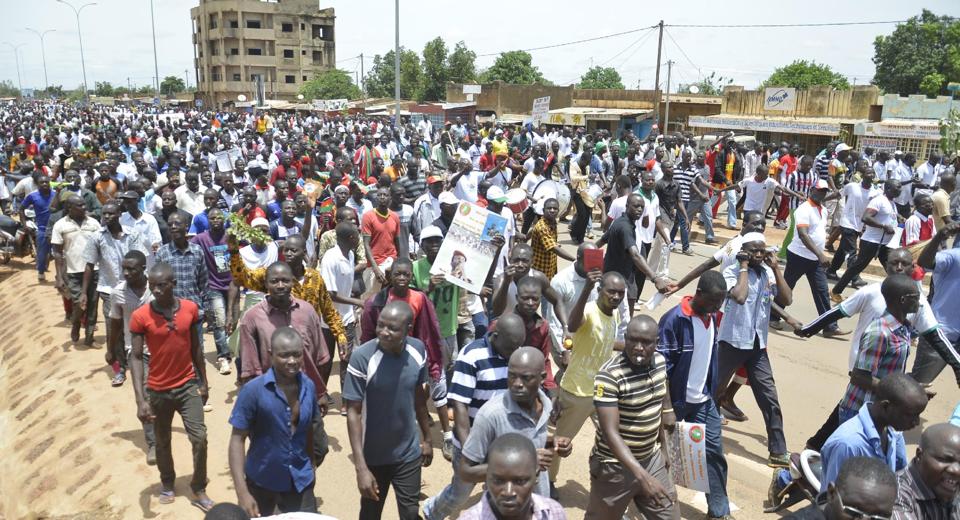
x: 580, y: 115
x: 828, y: 126
x: 927, y: 129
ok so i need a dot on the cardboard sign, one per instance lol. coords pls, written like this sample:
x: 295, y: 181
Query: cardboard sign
x: 688, y: 456
x: 541, y: 106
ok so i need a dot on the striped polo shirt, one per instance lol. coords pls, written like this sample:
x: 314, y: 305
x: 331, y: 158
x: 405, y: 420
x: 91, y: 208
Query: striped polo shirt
x: 638, y: 392
x: 683, y: 177
x: 479, y: 374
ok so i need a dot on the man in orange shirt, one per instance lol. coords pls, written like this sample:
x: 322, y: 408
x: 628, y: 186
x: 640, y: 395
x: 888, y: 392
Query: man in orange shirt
x: 177, y: 380
x: 381, y: 240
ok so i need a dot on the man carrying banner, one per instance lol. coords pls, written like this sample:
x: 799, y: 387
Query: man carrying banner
x: 688, y: 343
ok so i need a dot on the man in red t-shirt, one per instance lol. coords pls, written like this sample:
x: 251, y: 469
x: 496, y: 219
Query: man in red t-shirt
x: 170, y: 329
x: 381, y: 232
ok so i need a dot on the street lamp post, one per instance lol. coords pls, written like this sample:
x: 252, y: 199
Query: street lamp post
x: 156, y: 68
x: 83, y: 65
x: 43, y: 53
x: 16, y: 54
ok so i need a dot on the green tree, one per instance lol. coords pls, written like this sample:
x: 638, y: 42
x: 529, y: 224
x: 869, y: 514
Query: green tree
x: 950, y: 134
x: 921, y: 55
x: 103, y: 88
x: 601, y: 77
x: 331, y: 84
x: 8, y: 89
x: 55, y: 91
x: 514, y: 67
x: 379, y: 81
x: 172, y: 85
x: 434, y: 78
x: 461, y: 65
x: 805, y: 74
x: 711, y: 85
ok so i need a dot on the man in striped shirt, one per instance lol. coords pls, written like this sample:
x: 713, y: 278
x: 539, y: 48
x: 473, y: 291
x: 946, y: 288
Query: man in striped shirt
x: 479, y: 375
x: 684, y: 175
x: 630, y: 394
x: 885, y: 344
x: 928, y: 487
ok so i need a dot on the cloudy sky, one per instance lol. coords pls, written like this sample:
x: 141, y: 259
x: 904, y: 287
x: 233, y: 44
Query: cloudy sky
x: 118, y: 46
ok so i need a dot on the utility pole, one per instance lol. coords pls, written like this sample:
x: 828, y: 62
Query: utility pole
x: 363, y: 91
x: 186, y: 77
x: 396, y: 63
x: 16, y: 54
x: 656, y: 80
x: 43, y: 53
x: 666, y: 116
x: 83, y: 65
x: 153, y: 29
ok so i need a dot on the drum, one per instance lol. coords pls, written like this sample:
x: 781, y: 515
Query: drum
x: 517, y: 200
x: 563, y: 197
x: 591, y: 194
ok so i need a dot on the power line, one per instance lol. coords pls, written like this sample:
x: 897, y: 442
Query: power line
x: 679, y: 48
x: 348, y: 59
x: 639, y: 41
x: 585, y: 40
x: 768, y: 25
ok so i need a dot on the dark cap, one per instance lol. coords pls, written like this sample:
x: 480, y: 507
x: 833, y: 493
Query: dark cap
x: 129, y: 194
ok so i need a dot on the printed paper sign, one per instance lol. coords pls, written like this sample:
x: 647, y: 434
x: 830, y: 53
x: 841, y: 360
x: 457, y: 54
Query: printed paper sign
x: 467, y: 251
x: 688, y: 456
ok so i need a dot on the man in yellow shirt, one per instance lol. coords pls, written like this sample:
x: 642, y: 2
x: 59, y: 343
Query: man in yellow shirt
x: 500, y: 145
x: 594, y: 328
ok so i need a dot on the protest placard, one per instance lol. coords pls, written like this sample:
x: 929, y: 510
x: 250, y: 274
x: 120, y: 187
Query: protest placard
x: 688, y: 456
x: 468, y: 251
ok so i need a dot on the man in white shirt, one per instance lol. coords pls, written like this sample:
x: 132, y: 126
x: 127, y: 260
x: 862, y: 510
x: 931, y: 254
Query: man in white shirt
x: 855, y: 196
x: 905, y: 173
x: 929, y: 174
x: 805, y: 253
x: 880, y: 219
x: 337, y: 270
x: 190, y: 196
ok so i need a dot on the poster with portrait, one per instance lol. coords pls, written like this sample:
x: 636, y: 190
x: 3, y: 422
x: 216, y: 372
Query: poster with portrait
x: 468, y: 251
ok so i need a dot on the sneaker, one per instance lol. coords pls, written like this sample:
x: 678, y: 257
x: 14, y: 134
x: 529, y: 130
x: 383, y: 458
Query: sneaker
x: 836, y: 298
x: 152, y: 456
x: 223, y: 366
x: 773, y: 492
x: 687, y: 252
x: 832, y: 276
x: 835, y: 333
x: 447, y: 449
x: 858, y: 283
x: 778, y: 324
x: 779, y: 460
x: 711, y: 241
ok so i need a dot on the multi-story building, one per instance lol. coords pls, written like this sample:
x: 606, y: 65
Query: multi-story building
x: 240, y: 43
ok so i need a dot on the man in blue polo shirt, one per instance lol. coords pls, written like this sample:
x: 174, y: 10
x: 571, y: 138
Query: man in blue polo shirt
x: 276, y: 411
x: 876, y: 430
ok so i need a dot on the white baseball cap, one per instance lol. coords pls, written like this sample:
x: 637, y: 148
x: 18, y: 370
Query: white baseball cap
x: 447, y: 197
x: 430, y: 232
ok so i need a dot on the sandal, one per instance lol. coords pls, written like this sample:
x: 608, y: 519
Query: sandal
x: 167, y: 496
x: 118, y: 379
x: 203, y: 504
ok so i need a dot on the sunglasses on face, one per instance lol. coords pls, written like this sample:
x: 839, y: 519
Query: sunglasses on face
x: 856, y: 514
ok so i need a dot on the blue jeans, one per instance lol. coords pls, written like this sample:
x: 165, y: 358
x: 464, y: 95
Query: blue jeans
x: 706, y: 413
x: 701, y: 208
x: 216, y: 310
x: 43, y: 251
x: 680, y: 223
x: 452, y: 498
x: 731, y: 207
x: 798, y: 266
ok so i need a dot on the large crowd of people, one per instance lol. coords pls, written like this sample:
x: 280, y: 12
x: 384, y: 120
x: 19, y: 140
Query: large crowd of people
x: 297, y: 239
